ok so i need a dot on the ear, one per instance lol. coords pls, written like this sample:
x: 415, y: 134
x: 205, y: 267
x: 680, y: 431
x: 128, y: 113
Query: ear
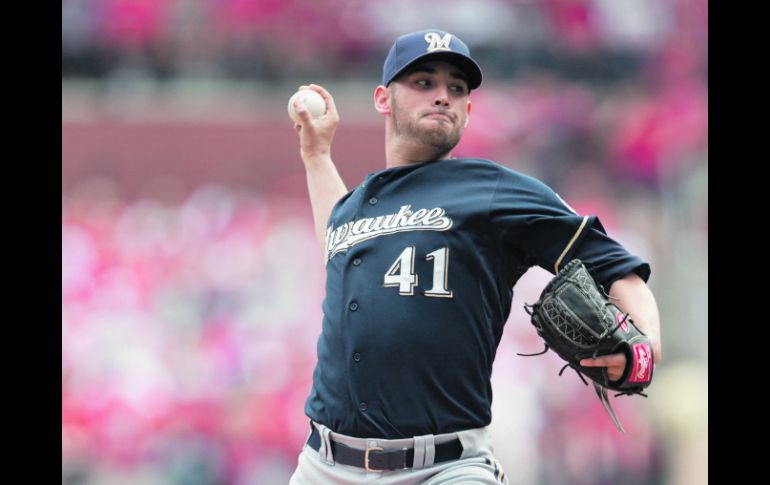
x: 382, y: 100
x: 468, y: 113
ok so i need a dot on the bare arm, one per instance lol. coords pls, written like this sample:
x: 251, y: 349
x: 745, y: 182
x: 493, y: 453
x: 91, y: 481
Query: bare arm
x: 635, y: 298
x: 325, y: 186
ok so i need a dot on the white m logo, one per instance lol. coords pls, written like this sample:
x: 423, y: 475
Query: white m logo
x: 437, y: 43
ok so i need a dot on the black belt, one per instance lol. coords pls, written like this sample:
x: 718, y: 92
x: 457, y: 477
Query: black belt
x: 377, y: 459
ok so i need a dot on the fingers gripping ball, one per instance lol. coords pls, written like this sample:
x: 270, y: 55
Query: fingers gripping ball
x: 313, y: 101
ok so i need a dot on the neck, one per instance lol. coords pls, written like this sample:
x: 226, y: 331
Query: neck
x: 400, y: 152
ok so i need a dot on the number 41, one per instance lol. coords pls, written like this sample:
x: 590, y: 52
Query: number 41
x: 401, y: 273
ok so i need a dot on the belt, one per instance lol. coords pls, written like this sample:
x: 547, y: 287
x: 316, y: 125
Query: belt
x: 378, y: 459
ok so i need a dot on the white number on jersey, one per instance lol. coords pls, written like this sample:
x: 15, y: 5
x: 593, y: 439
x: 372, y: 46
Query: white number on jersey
x: 440, y: 259
x: 401, y: 273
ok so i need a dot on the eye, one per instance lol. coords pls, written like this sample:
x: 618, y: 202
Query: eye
x: 423, y: 82
x: 458, y: 88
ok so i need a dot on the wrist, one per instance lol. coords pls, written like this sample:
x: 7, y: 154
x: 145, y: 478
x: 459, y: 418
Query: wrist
x: 316, y: 159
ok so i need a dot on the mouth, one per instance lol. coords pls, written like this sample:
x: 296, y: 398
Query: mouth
x: 439, y: 116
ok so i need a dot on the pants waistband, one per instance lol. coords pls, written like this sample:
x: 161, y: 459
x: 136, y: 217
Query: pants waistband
x: 380, y: 455
x: 384, y: 443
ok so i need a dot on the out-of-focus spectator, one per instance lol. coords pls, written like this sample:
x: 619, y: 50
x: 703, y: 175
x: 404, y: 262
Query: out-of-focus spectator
x: 657, y: 131
x: 334, y: 39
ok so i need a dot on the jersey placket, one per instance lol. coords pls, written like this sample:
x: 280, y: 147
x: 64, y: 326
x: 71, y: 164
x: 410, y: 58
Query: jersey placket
x: 364, y: 201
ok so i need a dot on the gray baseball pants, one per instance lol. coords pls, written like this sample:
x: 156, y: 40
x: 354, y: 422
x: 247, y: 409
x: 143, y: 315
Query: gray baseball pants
x: 476, y: 465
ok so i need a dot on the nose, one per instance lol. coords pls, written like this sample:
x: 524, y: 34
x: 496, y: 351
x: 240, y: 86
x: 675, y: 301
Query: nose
x: 442, y: 97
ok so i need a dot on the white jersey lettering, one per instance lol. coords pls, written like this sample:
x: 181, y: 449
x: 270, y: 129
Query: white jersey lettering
x: 351, y: 233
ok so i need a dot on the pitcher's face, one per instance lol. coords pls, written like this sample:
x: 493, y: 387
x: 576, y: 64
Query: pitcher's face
x: 430, y: 104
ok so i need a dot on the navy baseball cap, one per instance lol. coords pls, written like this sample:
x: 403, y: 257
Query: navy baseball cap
x: 430, y: 45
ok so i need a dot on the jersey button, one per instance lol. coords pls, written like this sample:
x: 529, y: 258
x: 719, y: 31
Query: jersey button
x: 373, y: 200
x: 353, y: 306
x: 363, y: 407
x: 357, y: 357
x: 356, y: 261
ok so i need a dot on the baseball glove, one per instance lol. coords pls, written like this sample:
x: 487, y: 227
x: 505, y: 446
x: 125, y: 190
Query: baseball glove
x: 576, y: 320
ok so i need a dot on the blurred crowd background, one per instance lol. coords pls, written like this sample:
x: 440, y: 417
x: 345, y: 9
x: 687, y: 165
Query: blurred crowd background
x: 191, y: 281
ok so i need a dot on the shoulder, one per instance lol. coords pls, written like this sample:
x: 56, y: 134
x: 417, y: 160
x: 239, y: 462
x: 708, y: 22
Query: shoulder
x: 526, y: 192
x: 509, y: 180
x: 506, y: 173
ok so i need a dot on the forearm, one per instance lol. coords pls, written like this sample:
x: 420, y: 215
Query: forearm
x: 635, y: 298
x: 324, y: 183
x: 325, y: 187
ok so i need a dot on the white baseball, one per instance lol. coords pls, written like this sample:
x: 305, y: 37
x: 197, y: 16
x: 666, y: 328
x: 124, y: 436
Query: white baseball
x: 313, y: 101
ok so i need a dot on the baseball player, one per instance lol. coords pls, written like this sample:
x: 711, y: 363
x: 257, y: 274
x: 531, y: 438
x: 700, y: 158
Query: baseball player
x: 421, y: 259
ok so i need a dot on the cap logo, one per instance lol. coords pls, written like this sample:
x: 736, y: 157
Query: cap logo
x: 437, y: 43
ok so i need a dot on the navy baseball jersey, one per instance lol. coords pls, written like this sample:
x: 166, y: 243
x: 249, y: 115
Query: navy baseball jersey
x: 421, y: 261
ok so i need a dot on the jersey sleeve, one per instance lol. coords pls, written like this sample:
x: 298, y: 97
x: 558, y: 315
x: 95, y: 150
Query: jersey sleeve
x: 532, y: 221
